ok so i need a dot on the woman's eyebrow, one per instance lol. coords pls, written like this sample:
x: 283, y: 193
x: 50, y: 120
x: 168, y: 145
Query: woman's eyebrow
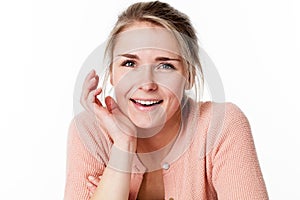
x: 161, y: 58
x: 132, y: 56
x: 167, y: 59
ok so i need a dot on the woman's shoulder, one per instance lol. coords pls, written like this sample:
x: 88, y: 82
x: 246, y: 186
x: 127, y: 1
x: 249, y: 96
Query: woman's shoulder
x: 221, y: 118
x: 220, y: 109
x: 224, y: 119
x: 230, y: 106
x: 213, y: 115
x: 218, y: 122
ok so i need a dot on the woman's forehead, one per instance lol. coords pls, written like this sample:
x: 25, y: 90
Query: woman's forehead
x: 141, y: 36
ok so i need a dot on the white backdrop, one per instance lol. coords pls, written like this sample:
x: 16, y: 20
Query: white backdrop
x: 255, y: 46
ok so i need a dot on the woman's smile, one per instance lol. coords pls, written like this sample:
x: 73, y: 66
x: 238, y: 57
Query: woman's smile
x: 146, y: 104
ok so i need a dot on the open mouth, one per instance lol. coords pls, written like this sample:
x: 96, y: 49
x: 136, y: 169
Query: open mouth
x: 146, y: 103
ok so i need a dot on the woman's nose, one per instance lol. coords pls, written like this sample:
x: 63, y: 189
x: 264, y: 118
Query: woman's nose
x: 150, y: 86
x: 147, y: 79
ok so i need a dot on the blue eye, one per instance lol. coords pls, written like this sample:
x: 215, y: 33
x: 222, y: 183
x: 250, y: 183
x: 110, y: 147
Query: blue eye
x: 166, y: 66
x: 128, y: 63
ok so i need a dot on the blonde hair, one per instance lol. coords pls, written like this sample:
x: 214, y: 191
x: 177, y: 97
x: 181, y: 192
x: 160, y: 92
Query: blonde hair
x: 164, y: 15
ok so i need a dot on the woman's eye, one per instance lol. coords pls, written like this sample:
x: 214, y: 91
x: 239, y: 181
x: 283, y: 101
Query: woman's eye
x: 128, y: 63
x: 165, y: 66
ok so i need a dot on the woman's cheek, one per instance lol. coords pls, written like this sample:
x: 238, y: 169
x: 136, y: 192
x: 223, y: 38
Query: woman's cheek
x: 174, y: 82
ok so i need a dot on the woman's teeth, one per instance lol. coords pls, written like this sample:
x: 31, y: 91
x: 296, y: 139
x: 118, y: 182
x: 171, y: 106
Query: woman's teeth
x: 147, y: 103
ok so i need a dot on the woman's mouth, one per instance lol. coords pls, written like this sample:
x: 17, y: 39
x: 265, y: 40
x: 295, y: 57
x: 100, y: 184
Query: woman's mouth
x: 146, y: 105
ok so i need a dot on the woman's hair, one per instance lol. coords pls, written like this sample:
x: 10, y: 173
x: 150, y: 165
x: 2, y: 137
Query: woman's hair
x: 164, y: 15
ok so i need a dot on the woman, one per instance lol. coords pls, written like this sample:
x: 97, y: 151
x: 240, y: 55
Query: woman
x: 155, y: 140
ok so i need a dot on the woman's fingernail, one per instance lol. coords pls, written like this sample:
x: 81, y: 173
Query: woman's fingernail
x: 91, y: 178
x: 89, y: 184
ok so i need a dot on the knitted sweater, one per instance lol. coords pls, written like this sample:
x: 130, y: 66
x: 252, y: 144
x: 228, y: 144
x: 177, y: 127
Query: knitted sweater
x: 215, y: 160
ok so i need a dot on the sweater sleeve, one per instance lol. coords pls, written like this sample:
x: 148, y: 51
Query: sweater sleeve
x: 80, y: 164
x: 236, y: 173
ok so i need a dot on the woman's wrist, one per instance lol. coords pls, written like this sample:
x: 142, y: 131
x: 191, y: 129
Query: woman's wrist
x: 121, y: 157
x: 128, y: 146
x: 128, y: 143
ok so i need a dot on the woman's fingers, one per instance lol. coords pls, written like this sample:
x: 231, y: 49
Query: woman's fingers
x: 122, y: 123
x: 92, y: 96
x: 96, y: 93
x: 89, y: 75
x: 110, y: 119
x: 92, y: 184
x: 90, y: 83
x: 94, y: 180
x: 111, y: 104
x: 92, y: 103
x: 91, y: 188
x: 90, y: 92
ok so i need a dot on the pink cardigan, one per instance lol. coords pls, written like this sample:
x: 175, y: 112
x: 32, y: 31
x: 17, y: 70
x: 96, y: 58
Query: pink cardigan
x: 215, y: 161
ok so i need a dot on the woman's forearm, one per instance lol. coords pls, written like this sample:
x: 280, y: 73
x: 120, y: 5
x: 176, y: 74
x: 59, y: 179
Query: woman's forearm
x: 115, y: 180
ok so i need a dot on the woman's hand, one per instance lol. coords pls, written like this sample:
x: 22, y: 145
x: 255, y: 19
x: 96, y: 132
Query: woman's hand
x: 92, y: 184
x: 111, y: 120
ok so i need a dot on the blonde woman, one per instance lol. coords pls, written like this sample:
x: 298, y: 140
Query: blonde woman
x: 155, y: 139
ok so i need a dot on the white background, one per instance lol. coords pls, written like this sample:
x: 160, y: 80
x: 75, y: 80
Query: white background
x: 255, y: 46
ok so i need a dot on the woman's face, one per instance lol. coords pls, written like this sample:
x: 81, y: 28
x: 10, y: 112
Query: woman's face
x: 148, y: 75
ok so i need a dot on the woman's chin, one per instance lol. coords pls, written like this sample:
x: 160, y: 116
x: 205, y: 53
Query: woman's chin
x: 147, y: 128
x: 146, y: 124
x: 148, y: 120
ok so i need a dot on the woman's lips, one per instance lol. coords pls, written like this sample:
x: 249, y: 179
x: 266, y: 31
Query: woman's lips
x: 146, y: 104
